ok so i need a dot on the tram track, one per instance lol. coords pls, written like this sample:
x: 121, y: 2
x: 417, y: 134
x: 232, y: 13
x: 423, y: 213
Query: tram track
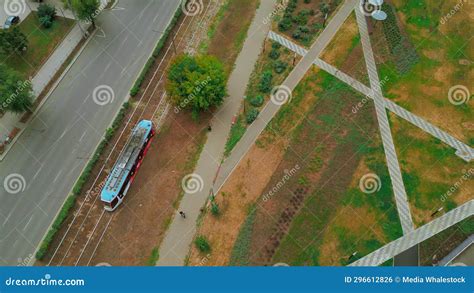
x: 66, y: 251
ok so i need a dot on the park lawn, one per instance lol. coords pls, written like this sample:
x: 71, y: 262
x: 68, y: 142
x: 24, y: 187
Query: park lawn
x: 41, y: 43
x: 337, y: 218
x: 443, y: 49
x: 430, y: 171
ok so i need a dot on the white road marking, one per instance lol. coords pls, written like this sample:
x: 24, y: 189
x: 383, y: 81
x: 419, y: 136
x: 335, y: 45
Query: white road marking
x: 82, y: 136
x: 28, y: 223
x: 57, y: 176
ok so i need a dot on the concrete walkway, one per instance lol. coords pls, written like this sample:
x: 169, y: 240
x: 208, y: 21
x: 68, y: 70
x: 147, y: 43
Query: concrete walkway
x: 417, y: 236
x: 296, y: 75
x: 464, y: 151
x: 394, y: 170
x: 179, y: 237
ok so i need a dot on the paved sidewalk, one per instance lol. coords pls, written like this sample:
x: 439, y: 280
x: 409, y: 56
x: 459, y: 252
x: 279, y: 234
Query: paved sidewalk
x: 10, y: 120
x: 417, y: 236
x: 179, y: 237
x: 49, y: 69
x: 399, y: 191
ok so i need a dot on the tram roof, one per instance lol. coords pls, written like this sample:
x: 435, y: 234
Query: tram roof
x: 125, y: 161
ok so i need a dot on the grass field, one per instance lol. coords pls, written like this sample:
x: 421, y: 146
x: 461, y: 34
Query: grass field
x: 434, y: 176
x: 41, y: 43
x: 444, y: 61
x: 337, y: 219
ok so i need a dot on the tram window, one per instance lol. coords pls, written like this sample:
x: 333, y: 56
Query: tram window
x: 114, y: 202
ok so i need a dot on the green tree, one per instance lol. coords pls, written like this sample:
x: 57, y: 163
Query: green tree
x: 86, y: 10
x: 15, y: 92
x: 13, y: 41
x: 46, y: 14
x: 196, y: 83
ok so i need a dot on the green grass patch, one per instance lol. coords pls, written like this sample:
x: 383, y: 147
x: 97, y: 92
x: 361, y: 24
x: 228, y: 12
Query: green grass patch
x: 154, y: 256
x: 41, y: 44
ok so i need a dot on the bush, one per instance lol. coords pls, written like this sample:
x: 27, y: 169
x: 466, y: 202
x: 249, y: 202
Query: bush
x: 274, y: 54
x: 265, y: 84
x: 276, y: 45
x: 46, y: 10
x: 280, y: 66
x: 215, y: 209
x: 202, y: 244
x: 46, y: 21
x: 257, y: 101
x: 46, y: 14
x: 251, y: 115
x: 284, y: 24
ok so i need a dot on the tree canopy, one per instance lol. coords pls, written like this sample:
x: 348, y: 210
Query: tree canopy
x: 13, y: 41
x: 15, y: 92
x: 196, y: 83
x: 86, y: 10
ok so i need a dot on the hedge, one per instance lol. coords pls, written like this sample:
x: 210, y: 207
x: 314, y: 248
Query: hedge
x: 141, y: 78
x: 78, y: 186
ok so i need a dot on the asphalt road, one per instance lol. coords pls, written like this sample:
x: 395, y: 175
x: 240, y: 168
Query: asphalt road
x: 58, y: 142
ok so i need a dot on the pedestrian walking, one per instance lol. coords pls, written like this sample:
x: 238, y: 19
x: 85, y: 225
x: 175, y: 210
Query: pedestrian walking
x: 182, y: 214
